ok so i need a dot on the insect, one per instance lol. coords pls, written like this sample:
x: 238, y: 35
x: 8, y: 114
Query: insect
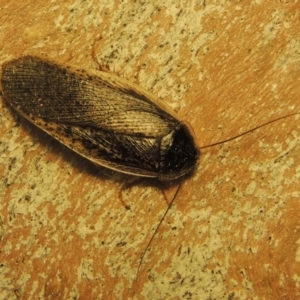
x: 102, y: 117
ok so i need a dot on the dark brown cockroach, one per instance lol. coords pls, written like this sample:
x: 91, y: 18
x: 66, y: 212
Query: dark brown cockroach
x: 102, y: 117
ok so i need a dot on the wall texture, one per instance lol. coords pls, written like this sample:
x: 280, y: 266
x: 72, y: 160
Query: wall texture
x: 69, y: 229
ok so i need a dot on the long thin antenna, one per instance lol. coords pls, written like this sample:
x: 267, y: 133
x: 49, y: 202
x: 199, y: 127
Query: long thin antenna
x: 248, y: 131
x: 156, y: 230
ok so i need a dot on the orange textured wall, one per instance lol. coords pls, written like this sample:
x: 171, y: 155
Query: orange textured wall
x: 70, y: 229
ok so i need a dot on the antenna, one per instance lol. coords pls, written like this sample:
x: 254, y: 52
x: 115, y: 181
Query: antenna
x: 248, y: 131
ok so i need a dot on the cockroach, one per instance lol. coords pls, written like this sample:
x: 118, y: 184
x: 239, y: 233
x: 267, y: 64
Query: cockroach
x: 102, y: 117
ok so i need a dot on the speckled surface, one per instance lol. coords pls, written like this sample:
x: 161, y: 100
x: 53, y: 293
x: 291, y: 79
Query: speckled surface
x: 70, y: 230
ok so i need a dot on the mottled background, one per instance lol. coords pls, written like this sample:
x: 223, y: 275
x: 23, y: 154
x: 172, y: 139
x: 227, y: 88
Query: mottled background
x: 71, y: 230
